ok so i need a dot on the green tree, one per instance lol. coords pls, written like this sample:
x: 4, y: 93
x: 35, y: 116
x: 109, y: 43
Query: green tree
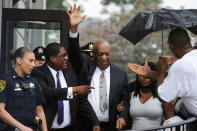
x: 138, y: 4
x: 55, y: 4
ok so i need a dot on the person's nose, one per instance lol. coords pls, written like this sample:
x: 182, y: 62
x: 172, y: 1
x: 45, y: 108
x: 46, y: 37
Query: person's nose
x: 66, y: 57
x: 104, y: 57
x: 33, y: 64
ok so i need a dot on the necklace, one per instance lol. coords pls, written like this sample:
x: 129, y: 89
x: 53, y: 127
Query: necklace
x: 148, y: 94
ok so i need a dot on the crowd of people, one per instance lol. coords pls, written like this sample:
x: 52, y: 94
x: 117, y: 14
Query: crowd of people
x: 43, y: 92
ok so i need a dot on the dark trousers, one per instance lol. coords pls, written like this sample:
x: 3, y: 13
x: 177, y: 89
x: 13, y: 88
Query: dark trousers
x: 105, y: 126
x: 68, y: 128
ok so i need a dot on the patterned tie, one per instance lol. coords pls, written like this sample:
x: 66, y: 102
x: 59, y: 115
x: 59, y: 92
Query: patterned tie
x: 103, y: 92
x: 60, y: 113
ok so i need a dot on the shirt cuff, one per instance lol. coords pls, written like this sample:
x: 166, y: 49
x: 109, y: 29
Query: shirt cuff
x: 71, y: 35
x: 70, y: 93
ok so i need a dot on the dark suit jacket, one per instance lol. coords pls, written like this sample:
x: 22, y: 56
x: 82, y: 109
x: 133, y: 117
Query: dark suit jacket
x: 79, y: 105
x: 85, y: 67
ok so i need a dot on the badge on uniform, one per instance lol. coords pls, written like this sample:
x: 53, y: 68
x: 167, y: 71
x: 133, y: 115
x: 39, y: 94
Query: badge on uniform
x: 43, y: 57
x: 2, y: 85
x: 31, y: 85
x: 17, y: 87
x: 91, y: 46
x: 40, y: 50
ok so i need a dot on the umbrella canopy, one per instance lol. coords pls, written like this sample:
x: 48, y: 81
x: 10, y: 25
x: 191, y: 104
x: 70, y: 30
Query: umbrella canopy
x: 145, y: 22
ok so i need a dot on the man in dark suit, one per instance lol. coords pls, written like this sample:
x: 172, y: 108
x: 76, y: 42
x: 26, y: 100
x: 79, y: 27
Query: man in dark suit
x: 110, y: 82
x: 65, y: 100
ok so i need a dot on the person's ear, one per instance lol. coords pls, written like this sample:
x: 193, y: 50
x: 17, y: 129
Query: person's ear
x: 52, y: 58
x: 172, y: 46
x: 19, y: 60
x: 93, y: 54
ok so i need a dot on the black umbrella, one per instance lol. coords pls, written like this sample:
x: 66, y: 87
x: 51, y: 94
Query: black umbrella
x: 145, y: 22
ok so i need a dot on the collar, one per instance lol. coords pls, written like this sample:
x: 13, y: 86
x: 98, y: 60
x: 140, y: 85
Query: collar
x: 16, y: 76
x: 107, y: 70
x: 54, y: 71
x: 190, y: 52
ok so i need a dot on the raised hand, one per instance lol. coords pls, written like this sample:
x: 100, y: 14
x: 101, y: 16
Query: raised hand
x: 162, y: 64
x: 140, y: 70
x: 75, y: 18
x: 170, y: 59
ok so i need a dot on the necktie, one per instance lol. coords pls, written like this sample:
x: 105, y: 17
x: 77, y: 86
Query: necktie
x: 60, y: 113
x: 103, y: 92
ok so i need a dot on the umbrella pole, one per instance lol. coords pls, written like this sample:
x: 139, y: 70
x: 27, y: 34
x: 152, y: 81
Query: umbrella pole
x: 162, y: 44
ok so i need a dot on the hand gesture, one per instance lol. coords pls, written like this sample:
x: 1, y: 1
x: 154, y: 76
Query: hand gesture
x: 96, y: 128
x: 75, y: 18
x: 162, y: 64
x: 140, y: 70
x: 120, y: 123
x: 82, y: 90
x: 170, y: 59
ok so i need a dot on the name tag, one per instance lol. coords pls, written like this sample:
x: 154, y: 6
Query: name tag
x: 17, y: 89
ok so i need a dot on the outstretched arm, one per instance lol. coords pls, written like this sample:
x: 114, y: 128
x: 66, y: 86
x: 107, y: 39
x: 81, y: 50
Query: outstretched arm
x: 143, y: 70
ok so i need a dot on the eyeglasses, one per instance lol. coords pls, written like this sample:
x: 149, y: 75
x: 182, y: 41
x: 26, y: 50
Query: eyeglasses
x: 101, y: 54
x: 63, y: 55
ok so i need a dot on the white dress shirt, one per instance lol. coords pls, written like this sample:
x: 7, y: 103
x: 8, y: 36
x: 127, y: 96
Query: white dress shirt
x: 93, y: 97
x: 181, y: 82
x: 67, y: 115
x: 73, y: 35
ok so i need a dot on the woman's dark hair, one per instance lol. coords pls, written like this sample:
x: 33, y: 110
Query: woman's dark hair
x: 152, y: 86
x: 19, y: 52
x: 52, y: 49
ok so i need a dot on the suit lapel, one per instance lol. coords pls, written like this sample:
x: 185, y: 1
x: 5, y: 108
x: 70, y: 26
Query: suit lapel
x: 49, y: 77
x: 112, y: 84
x: 92, y: 68
x: 67, y: 78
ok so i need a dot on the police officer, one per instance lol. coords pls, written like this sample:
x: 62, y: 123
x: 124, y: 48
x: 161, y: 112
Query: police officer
x: 39, y: 53
x: 88, y: 49
x: 20, y: 95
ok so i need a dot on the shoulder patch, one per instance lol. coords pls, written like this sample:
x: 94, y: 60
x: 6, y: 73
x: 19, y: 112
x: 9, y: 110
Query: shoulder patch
x: 2, y: 85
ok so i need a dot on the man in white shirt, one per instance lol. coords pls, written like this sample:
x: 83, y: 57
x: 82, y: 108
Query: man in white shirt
x: 181, y: 79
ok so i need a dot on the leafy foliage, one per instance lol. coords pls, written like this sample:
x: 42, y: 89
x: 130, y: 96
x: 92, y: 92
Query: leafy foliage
x: 136, y: 3
x: 55, y: 4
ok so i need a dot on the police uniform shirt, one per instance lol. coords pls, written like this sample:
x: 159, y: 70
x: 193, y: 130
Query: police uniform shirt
x: 21, y: 96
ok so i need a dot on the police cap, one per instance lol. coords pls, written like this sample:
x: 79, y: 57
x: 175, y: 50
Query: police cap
x: 39, y: 53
